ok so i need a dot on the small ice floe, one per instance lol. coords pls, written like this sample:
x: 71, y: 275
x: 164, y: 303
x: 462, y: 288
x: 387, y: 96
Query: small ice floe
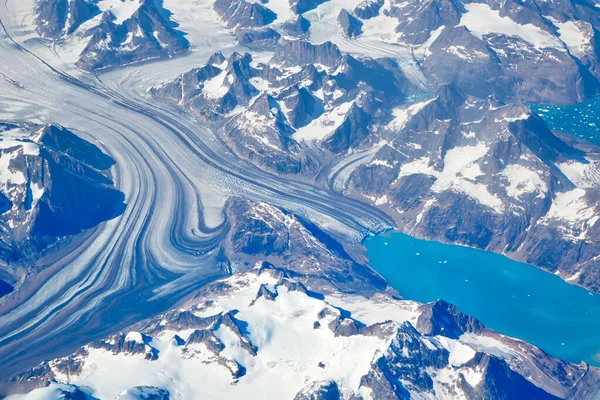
x: 385, y: 243
x: 418, y: 254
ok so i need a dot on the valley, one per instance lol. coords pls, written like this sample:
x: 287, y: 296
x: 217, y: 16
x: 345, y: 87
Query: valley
x: 249, y: 148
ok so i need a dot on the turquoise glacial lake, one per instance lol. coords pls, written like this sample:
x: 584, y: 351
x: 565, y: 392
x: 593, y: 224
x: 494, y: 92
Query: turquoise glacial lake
x: 509, y: 297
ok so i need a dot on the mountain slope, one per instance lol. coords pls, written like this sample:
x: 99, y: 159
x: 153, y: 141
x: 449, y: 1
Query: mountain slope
x: 54, y: 184
x: 111, y: 33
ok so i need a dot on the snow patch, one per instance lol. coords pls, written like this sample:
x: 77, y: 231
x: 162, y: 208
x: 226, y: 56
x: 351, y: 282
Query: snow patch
x: 481, y: 20
x: 522, y: 181
x: 403, y: 115
x: 121, y: 9
x: 571, y: 206
x: 323, y: 126
x: 460, y: 353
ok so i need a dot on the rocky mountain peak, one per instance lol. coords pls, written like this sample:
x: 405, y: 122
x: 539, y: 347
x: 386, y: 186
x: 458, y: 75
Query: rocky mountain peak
x: 441, y: 317
x: 301, y: 52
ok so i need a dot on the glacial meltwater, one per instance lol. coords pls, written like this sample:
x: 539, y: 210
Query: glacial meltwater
x: 509, y: 297
x: 581, y: 120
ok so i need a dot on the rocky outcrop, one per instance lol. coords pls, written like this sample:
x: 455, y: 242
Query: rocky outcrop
x: 131, y: 343
x: 367, y: 9
x: 58, y: 17
x: 407, y: 367
x: 248, y: 21
x: 302, y: 106
x: 264, y: 111
x: 244, y: 14
x: 319, y: 390
x: 302, y: 6
x: 263, y: 132
x: 300, y: 52
x: 426, y: 17
x: 260, y: 39
x: 350, y: 25
x: 56, y: 184
x: 297, y: 26
x: 442, y: 318
x: 352, y: 131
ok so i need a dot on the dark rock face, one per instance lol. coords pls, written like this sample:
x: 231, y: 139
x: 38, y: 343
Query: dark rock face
x: 261, y: 39
x: 302, y: 6
x: 351, y: 132
x: 59, y: 186
x: 405, y: 360
x: 57, y: 17
x: 244, y: 14
x: 5, y: 288
x: 80, y: 11
x: 303, y: 106
x: 267, y: 240
x: 297, y: 26
x: 403, y: 369
x: 72, y: 392
x: 426, y: 17
x: 320, y: 390
x: 248, y: 21
x: 351, y: 26
x: 52, y: 17
x: 441, y: 318
x: 501, y: 382
x: 509, y: 84
x: 367, y: 9
x: 216, y: 346
x: 228, y: 84
x: 137, y: 343
x: 300, y: 52
x: 265, y: 119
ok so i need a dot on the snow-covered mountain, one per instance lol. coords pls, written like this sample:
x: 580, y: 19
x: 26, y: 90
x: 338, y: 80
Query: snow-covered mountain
x: 519, y: 51
x: 542, y: 52
x: 265, y: 332
x: 457, y: 167
x: 306, y: 93
x: 110, y: 33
